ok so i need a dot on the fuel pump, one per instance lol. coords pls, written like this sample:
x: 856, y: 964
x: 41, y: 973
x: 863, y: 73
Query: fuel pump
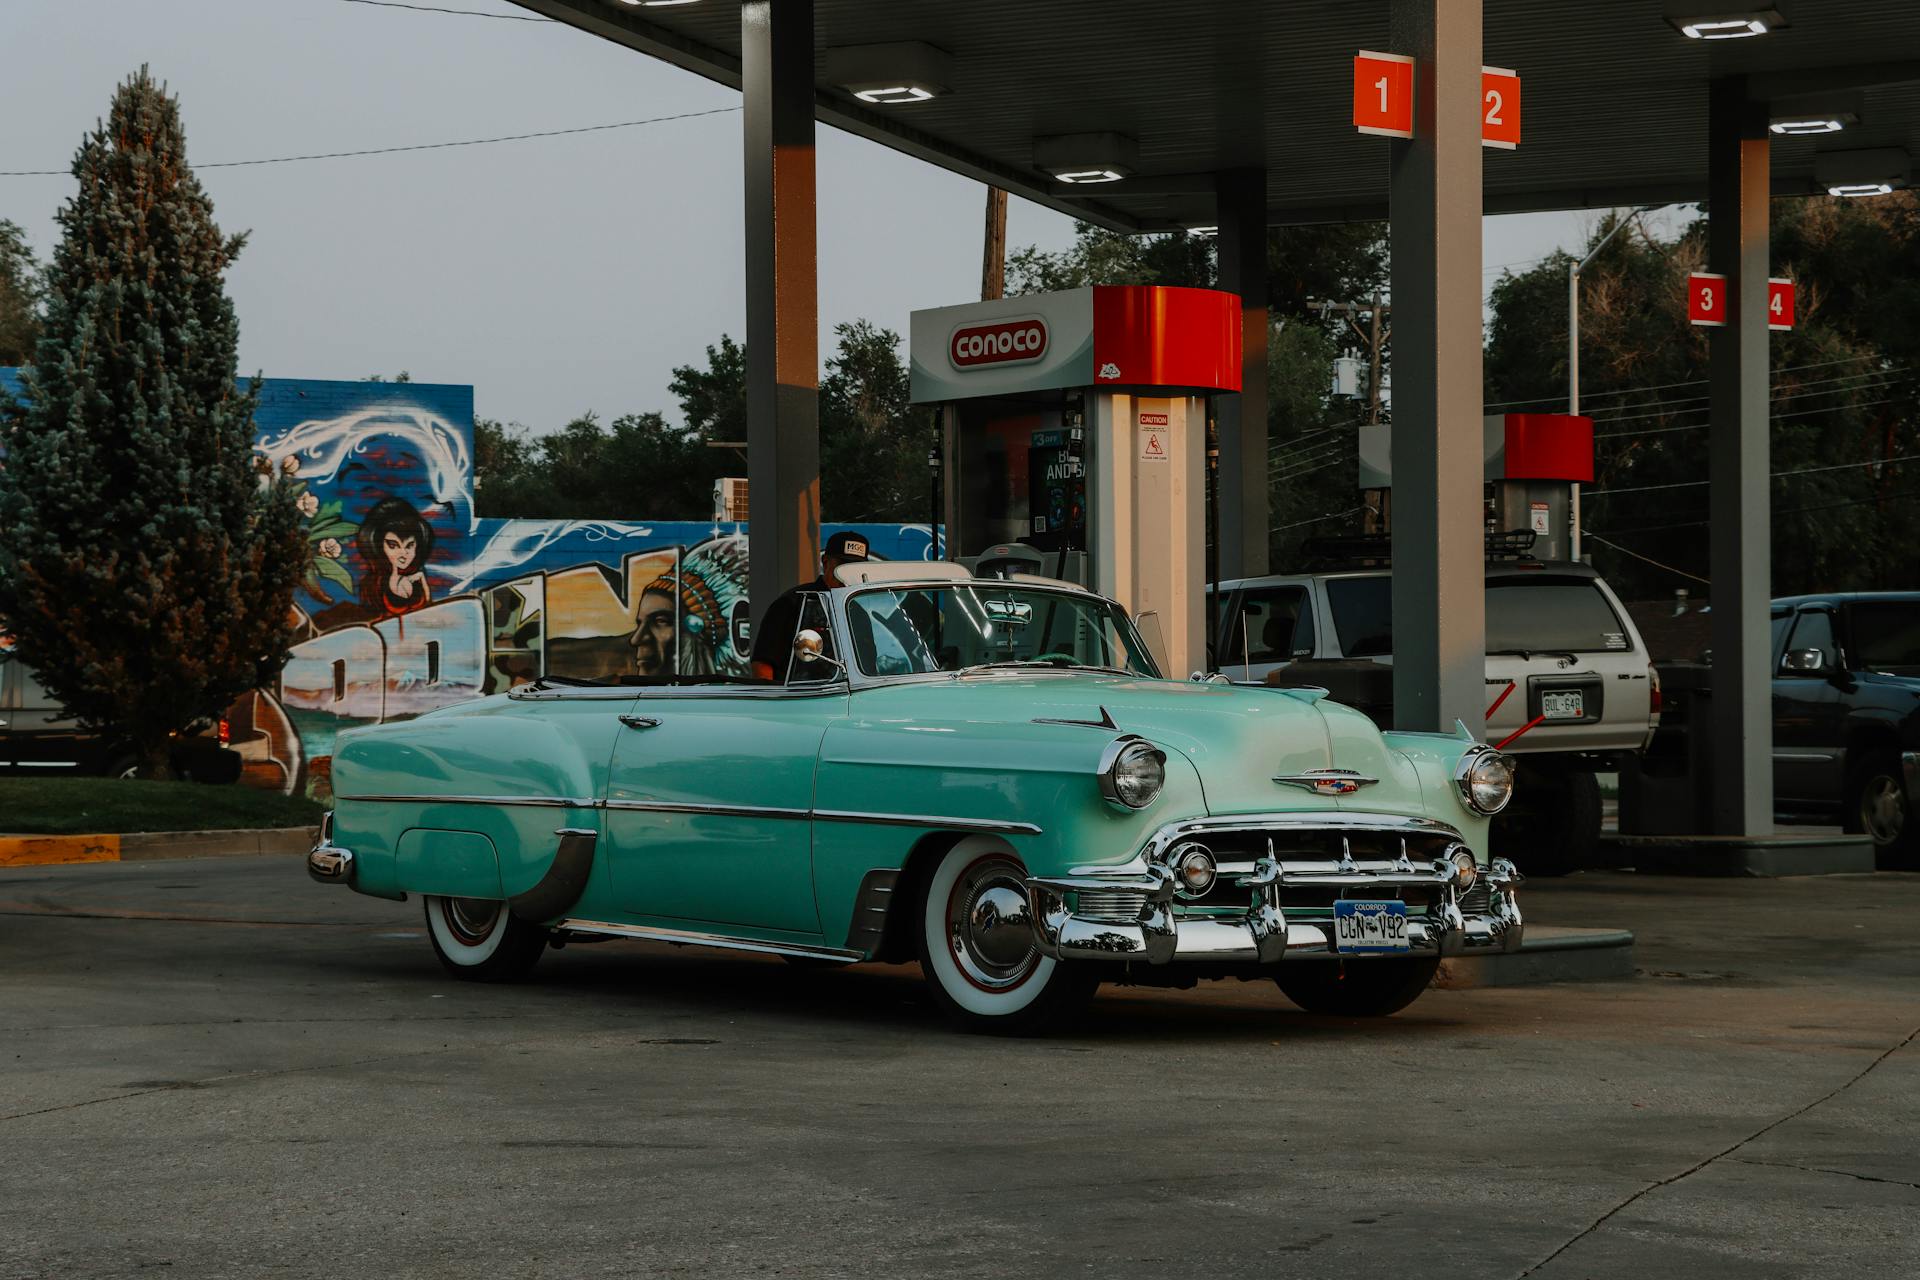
x: 1533, y: 460
x: 1074, y: 429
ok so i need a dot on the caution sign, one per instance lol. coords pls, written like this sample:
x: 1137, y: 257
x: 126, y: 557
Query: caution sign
x: 1153, y: 437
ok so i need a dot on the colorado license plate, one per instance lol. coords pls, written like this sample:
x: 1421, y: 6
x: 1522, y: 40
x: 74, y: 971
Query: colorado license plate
x: 1370, y: 926
x: 1568, y: 704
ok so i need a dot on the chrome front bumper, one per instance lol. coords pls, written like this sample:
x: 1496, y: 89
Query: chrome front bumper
x: 1151, y: 925
x: 327, y: 862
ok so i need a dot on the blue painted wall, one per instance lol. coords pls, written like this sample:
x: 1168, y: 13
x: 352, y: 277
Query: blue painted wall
x: 415, y: 601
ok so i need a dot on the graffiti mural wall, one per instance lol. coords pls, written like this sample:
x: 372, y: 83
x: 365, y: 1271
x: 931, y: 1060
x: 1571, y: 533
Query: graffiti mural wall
x: 416, y: 602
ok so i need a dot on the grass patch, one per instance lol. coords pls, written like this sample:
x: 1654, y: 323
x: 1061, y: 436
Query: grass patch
x: 112, y: 806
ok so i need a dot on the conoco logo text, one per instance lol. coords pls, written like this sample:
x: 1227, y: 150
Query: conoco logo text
x: 1003, y: 342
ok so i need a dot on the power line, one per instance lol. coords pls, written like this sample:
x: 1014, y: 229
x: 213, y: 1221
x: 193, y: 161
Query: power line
x: 1876, y: 500
x: 1557, y: 397
x: 1649, y: 559
x: 1777, y: 475
x: 465, y: 13
x: 418, y: 146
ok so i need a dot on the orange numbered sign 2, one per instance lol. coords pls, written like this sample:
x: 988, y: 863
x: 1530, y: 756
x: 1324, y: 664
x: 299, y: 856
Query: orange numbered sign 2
x: 1706, y: 299
x: 1499, y: 108
x: 1383, y: 94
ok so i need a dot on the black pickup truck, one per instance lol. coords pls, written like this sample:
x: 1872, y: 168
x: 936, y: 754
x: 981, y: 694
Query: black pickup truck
x: 1846, y: 715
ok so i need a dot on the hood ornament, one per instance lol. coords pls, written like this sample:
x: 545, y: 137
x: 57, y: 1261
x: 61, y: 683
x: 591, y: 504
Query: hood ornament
x: 1326, y: 782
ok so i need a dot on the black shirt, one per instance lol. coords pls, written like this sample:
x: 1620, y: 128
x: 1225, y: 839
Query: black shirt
x: 773, y: 636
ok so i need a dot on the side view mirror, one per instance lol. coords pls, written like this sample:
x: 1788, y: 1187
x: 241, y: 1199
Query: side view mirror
x: 808, y: 647
x: 1803, y: 661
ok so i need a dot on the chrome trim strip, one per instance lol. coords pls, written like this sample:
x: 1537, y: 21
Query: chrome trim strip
x: 1808, y: 756
x: 991, y: 826
x: 529, y: 693
x: 711, y: 810
x: 696, y: 938
x: 537, y: 802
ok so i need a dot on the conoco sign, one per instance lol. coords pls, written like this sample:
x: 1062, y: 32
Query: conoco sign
x: 1001, y: 342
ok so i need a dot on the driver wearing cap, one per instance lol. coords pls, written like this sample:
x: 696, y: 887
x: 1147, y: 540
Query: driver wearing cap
x: 773, y: 636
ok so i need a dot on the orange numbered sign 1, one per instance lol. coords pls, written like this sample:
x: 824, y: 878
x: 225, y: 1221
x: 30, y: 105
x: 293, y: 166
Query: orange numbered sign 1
x: 1499, y: 108
x: 1383, y: 94
x: 1706, y: 299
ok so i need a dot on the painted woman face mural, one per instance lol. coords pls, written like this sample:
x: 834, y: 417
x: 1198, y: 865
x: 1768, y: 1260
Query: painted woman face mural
x: 395, y: 542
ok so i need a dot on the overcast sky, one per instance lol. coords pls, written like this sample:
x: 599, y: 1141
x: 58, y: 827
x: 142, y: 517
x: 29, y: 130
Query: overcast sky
x: 556, y: 275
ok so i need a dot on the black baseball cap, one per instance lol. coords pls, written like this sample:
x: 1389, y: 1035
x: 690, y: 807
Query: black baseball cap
x: 846, y: 546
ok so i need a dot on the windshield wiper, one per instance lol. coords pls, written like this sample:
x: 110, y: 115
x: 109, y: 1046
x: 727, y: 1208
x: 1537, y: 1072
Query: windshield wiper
x: 1042, y: 664
x: 569, y: 682
x: 1530, y: 654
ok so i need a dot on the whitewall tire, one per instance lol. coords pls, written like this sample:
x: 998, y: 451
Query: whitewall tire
x: 976, y: 946
x: 479, y: 940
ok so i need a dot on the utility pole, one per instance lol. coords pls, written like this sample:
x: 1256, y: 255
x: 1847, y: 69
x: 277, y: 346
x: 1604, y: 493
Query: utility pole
x: 1374, y: 336
x: 993, y: 258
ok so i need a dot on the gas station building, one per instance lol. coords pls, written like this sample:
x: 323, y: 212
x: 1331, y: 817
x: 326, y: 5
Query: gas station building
x: 1242, y: 115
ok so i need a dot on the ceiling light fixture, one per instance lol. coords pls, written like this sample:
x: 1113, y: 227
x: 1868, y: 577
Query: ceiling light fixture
x: 1205, y: 232
x: 889, y: 75
x: 1801, y: 128
x: 1726, y: 24
x: 1869, y: 171
x: 1083, y: 159
x: 654, y: 4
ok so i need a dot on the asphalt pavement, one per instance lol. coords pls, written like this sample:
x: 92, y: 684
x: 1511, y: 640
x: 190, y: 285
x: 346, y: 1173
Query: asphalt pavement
x: 218, y: 1068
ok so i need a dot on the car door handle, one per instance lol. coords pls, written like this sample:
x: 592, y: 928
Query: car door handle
x: 640, y: 722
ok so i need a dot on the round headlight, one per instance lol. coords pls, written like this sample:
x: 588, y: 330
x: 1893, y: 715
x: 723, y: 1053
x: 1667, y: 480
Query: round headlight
x: 1133, y: 773
x: 1485, y: 779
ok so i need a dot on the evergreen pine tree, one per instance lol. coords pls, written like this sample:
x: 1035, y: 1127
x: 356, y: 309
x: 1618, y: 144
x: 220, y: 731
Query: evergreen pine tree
x: 146, y: 568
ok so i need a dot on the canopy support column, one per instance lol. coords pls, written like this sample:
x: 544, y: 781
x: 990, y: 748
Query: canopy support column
x: 783, y: 342
x: 1439, y: 549
x: 1737, y: 464
x: 1241, y: 198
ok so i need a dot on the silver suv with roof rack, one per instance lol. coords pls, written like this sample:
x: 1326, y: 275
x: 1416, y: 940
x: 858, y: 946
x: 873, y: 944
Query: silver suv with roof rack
x: 1570, y: 688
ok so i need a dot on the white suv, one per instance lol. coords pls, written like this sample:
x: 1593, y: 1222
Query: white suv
x: 1566, y: 672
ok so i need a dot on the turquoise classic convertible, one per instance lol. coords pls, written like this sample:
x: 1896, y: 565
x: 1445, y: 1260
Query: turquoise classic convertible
x: 987, y: 775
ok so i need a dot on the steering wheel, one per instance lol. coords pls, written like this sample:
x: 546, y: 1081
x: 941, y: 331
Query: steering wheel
x: 1056, y: 655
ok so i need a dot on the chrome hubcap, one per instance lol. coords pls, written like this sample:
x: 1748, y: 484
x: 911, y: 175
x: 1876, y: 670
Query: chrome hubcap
x: 1883, y: 809
x: 990, y: 926
x: 471, y: 919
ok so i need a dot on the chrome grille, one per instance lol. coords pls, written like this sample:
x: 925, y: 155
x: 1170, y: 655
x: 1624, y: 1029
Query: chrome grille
x: 1115, y: 906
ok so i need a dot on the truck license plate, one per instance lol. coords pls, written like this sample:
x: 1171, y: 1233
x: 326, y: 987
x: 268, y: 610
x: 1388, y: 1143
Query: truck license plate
x: 1370, y: 926
x: 1568, y: 704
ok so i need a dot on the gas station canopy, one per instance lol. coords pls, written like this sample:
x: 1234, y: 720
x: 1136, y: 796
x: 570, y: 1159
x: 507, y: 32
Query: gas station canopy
x: 1172, y: 91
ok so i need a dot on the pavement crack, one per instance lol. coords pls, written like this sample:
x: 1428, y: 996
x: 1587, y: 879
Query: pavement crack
x: 1688, y: 1172
x: 172, y: 1086
x: 1841, y: 1173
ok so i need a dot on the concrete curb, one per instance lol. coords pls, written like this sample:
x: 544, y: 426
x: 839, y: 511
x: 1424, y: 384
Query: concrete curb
x: 1770, y: 855
x: 150, y: 846
x: 1546, y: 955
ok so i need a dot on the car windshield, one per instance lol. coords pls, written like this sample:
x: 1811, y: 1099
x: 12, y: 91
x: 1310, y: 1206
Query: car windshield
x: 1524, y: 615
x: 916, y: 630
x: 1886, y: 636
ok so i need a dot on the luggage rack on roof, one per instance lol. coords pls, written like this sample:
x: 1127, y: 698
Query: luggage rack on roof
x: 1375, y: 550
